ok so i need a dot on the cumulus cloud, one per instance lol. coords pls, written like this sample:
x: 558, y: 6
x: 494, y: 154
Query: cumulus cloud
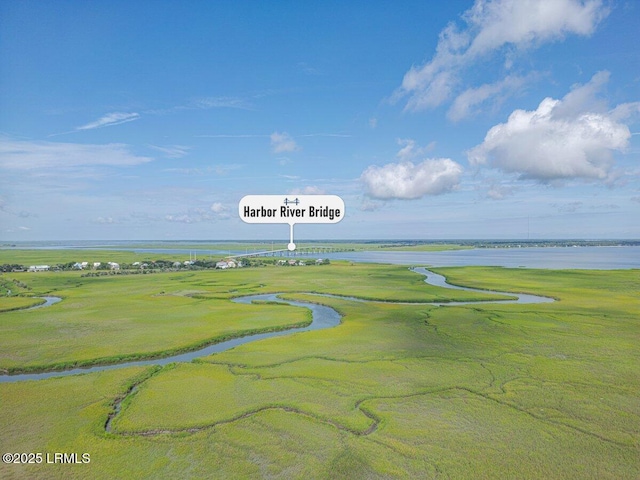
x: 27, y: 155
x: 561, y: 139
x: 406, y: 180
x: 109, y: 120
x: 282, y: 142
x: 493, y: 27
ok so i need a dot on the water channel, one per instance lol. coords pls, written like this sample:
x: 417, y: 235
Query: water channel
x: 322, y: 317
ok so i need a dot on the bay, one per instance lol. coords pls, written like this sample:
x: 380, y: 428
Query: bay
x: 597, y: 258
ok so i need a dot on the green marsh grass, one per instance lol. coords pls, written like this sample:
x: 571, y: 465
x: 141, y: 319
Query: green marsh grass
x: 396, y: 391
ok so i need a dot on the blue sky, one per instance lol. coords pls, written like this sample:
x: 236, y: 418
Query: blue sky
x: 487, y: 119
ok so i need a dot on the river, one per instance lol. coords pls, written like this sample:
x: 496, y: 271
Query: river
x: 322, y: 317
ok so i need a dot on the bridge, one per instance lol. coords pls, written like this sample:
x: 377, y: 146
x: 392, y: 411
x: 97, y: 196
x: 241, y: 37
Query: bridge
x: 284, y: 252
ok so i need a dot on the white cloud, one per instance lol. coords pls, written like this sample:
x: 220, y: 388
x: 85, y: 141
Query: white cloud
x: 110, y: 119
x: 220, y: 210
x: 569, y: 207
x: 493, y: 26
x: 336, y: 135
x: 172, y: 151
x: 625, y: 111
x: 26, y: 155
x: 241, y: 135
x: 217, y: 211
x: 408, y: 181
x: 373, y: 122
x: 225, y: 168
x: 498, y: 192
x: 184, y: 218
x: 221, y: 102
x: 282, y: 142
x: 369, y: 205
x: 308, y: 190
x: 561, y: 139
x: 218, y: 207
x: 528, y: 22
x: 410, y: 150
x: 462, y: 106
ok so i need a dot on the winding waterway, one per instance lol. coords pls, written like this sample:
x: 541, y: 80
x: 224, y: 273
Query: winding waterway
x: 47, y: 302
x: 322, y: 317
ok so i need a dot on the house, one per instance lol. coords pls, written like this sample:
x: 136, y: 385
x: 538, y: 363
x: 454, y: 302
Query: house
x: 177, y: 264
x: 77, y: 266
x: 38, y: 268
x: 96, y: 264
x: 113, y: 265
x: 292, y: 262
x: 282, y: 262
x: 222, y: 265
x: 301, y: 263
x: 231, y: 264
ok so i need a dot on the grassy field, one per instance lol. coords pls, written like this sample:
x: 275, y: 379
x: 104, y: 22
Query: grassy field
x: 113, y: 318
x: 395, y: 391
x: 54, y: 257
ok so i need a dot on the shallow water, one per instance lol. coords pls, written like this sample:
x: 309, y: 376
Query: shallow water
x: 599, y: 258
x: 322, y: 317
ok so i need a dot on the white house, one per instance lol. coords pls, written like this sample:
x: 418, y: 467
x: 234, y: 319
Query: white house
x: 222, y: 265
x: 38, y: 268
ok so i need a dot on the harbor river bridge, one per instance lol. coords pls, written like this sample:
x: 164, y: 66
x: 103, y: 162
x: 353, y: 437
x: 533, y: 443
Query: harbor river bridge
x: 284, y: 252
